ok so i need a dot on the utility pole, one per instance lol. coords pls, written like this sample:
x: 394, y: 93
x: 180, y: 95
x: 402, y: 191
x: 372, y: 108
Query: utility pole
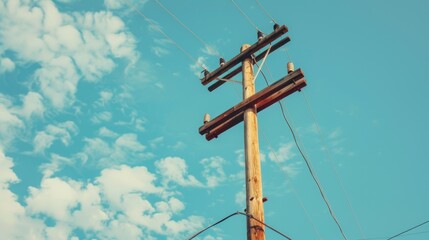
x: 246, y: 111
x: 254, y: 204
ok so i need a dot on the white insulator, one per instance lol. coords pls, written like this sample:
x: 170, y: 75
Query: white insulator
x: 290, y: 67
x: 206, y: 118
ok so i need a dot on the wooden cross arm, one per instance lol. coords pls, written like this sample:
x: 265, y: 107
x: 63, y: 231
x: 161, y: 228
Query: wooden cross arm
x: 245, y: 54
x: 291, y: 83
x: 257, y: 58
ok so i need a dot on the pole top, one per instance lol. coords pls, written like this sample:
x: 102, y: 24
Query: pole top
x: 244, y: 47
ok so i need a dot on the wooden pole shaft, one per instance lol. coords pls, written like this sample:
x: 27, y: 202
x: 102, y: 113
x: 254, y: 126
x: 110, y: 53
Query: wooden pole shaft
x: 254, y: 204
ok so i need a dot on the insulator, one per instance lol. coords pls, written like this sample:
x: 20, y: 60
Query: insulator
x: 206, y: 118
x: 290, y: 67
x: 221, y: 61
x: 260, y: 35
x: 276, y: 26
x: 264, y: 199
x: 205, y: 72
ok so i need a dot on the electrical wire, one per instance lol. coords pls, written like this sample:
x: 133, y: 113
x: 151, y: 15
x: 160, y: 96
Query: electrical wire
x: 214, y: 224
x: 262, y: 64
x: 265, y: 11
x: 399, y: 234
x: 312, y: 173
x: 157, y: 28
x: 239, y: 213
x: 245, y: 15
x: 266, y: 225
x: 311, y: 170
x: 331, y: 161
x: 293, y: 189
x: 187, y: 28
x: 402, y: 235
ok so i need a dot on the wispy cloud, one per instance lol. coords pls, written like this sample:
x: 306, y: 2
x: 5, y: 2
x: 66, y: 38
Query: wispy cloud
x: 213, y: 171
x: 283, y: 153
x: 62, y: 131
x: 110, y: 152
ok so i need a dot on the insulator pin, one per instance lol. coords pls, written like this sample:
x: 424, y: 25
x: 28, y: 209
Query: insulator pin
x: 221, y: 61
x: 260, y: 35
x: 290, y: 67
x: 206, y: 118
x: 205, y: 72
x: 275, y: 26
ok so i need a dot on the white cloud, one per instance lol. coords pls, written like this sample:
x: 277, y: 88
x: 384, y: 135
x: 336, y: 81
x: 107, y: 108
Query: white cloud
x: 213, y: 171
x: 105, y: 132
x: 284, y: 153
x: 118, y: 182
x: 58, y: 80
x: 6, y: 65
x: 240, y: 198
x: 62, y: 131
x: 198, y: 66
x: 115, y: 205
x: 210, y: 50
x: 291, y: 170
x: 9, y: 122
x: 125, y: 148
x: 136, y: 122
x: 240, y: 157
x: 56, y: 163
x: 55, y: 198
x: 155, y: 142
x: 32, y: 105
x: 175, y: 170
x: 7, y: 175
x: 64, y: 45
x: 179, y: 145
x: 113, y: 4
x: 335, y: 134
x: 105, y: 98
x: 101, y: 117
x: 159, y: 51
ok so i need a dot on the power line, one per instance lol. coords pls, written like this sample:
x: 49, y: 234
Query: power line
x: 331, y: 161
x: 310, y: 168
x: 265, y: 11
x: 399, y: 234
x: 239, y: 213
x: 187, y: 28
x: 214, y: 224
x: 157, y: 28
x: 245, y: 15
x: 384, y: 238
x: 266, y: 225
x: 294, y: 190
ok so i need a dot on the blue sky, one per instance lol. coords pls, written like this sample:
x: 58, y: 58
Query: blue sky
x: 99, y: 118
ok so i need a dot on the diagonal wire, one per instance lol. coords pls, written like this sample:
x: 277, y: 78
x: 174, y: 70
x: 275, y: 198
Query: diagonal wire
x: 331, y: 161
x: 214, y: 224
x: 311, y: 170
x: 293, y: 189
x: 157, y: 28
x: 265, y: 11
x: 399, y: 234
x: 239, y: 213
x: 266, y: 225
x: 245, y: 15
x: 262, y: 64
x: 187, y: 28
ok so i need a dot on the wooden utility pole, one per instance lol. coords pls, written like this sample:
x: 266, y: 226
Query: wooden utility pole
x: 246, y: 111
x: 254, y: 204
